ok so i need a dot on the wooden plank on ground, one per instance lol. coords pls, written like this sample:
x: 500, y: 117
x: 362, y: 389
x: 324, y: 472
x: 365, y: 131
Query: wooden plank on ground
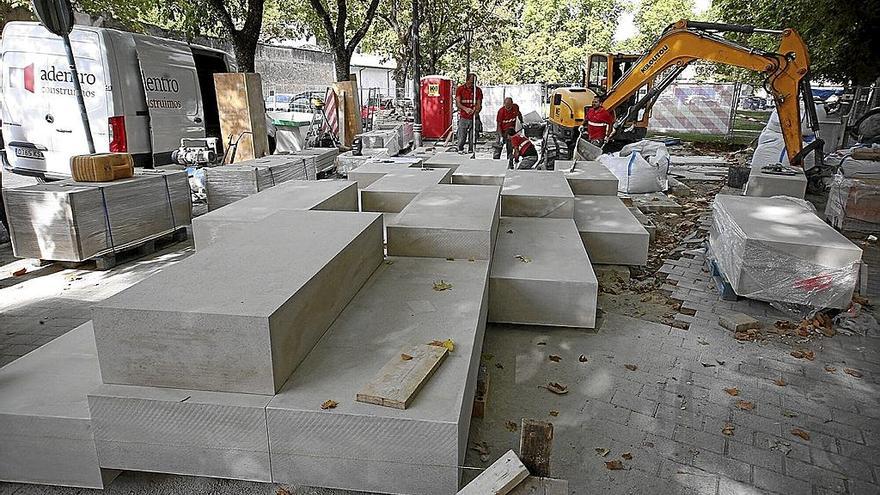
x: 499, y: 478
x: 534, y: 485
x: 536, y: 445
x: 481, y: 393
x: 398, y: 382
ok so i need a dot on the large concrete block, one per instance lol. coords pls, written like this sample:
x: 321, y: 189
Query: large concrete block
x: 541, y: 275
x: 295, y: 195
x: 481, y: 171
x: 589, y: 178
x: 239, y: 316
x: 447, y: 221
x: 448, y: 159
x: 373, y: 170
x: 393, y: 191
x: 45, y: 424
x: 372, y: 448
x: 765, y: 184
x: 611, y: 234
x: 536, y: 193
x: 179, y: 431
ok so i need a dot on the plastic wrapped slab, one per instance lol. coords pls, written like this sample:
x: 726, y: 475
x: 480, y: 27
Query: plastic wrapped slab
x: 346, y: 162
x: 374, y: 170
x: 325, y: 158
x: 229, y: 183
x: 764, y: 184
x: 854, y: 204
x: 394, y: 190
x: 76, y: 221
x: 777, y: 249
x: 588, y: 178
x: 536, y: 193
x: 371, y: 448
x: 447, y: 221
x: 178, y: 431
x: 541, y: 275
x: 384, y: 139
x: 44, y: 415
x: 326, y: 195
x: 239, y: 316
x: 611, y: 234
x: 481, y: 172
x: 404, y: 131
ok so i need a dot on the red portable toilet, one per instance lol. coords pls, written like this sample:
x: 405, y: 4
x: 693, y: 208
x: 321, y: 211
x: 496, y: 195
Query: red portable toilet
x: 437, y: 103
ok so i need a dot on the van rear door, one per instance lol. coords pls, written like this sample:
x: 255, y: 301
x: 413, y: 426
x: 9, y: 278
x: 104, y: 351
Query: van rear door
x: 174, y: 101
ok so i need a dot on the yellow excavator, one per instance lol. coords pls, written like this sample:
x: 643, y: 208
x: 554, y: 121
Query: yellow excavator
x: 631, y: 84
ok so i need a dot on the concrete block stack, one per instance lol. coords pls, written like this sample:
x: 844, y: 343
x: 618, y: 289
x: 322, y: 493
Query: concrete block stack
x: 394, y: 190
x: 229, y: 183
x: 325, y: 158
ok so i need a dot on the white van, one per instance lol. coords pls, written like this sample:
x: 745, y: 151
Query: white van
x: 142, y: 94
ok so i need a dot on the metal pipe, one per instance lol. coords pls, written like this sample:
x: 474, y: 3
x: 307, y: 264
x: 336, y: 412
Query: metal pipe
x: 77, y: 88
x: 417, y: 76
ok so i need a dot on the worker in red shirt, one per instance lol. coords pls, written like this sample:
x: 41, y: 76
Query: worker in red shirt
x: 599, y: 122
x: 523, y: 150
x: 504, y: 120
x: 469, y: 102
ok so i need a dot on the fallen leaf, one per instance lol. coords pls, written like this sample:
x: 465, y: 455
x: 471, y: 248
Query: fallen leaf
x: 614, y: 465
x: 745, y: 405
x: 511, y: 426
x: 524, y: 259
x: 728, y: 430
x: 830, y: 369
x: 803, y: 354
x: 732, y: 391
x: 19, y: 272
x: 789, y: 414
x: 801, y: 433
x: 708, y: 365
x: 554, y: 413
x: 631, y: 367
x: 329, y: 404
x: 448, y: 343
x: 555, y: 358
x: 780, y: 382
x: 282, y: 491
x: 583, y: 358
x: 510, y: 231
x: 602, y: 452
x: 405, y: 357
x: 828, y: 331
x: 499, y: 366
x: 627, y: 455
x: 556, y: 388
x: 853, y: 372
x: 442, y: 285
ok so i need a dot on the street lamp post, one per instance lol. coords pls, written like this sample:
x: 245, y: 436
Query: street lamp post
x: 417, y: 76
x: 469, y: 38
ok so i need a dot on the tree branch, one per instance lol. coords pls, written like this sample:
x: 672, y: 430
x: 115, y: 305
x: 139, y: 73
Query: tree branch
x: 360, y: 33
x: 225, y: 18
x: 341, y: 20
x: 325, y: 19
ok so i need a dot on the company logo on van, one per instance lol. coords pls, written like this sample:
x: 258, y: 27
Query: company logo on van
x: 65, y: 76
x: 25, y: 78
x: 23, y: 74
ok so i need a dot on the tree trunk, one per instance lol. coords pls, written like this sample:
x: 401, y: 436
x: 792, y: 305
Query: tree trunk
x: 342, y: 61
x: 245, y: 52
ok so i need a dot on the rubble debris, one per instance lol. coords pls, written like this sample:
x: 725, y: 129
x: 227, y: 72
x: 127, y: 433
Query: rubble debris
x: 602, y: 452
x: 853, y: 372
x: 738, y: 322
x: 20, y: 272
x: 803, y: 354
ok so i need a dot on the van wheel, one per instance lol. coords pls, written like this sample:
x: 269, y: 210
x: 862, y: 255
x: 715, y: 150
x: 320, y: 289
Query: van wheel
x: 272, y: 145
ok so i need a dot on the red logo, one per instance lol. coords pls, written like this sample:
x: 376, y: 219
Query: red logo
x: 29, y: 78
x: 26, y: 75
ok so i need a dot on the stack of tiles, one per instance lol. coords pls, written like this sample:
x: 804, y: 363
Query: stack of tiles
x: 394, y: 190
x: 447, y: 221
x: 44, y: 415
x: 536, y: 193
x: 589, y: 178
x: 611, y: 234
x: 481, y: 171
x: 541, y: 275
x: 229, y: 183
x: 325, y: 158
x: 327, y: 195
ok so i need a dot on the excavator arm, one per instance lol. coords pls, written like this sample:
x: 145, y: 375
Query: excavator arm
x: 786, y: 72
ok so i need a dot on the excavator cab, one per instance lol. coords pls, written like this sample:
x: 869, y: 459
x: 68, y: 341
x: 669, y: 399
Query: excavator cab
x: 602, y: 73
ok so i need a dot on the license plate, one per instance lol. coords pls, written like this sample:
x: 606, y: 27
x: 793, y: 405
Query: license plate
x: 29, y: 153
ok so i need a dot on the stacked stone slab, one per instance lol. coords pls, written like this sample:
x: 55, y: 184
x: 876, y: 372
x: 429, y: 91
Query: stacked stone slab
x: 481, y: 171
x: 765, y: 184
x: 324, y: 158
x: 229, y: 183
x: 45, y: 424
x: 610, y: 232
x: 374, y: 170
x: 589, y: 178
x: 447, y: 221
x: 536, y: 193
x: 394, y: 190
x: 327, y: 195
x: 448, y: 159
x: 541, y: 275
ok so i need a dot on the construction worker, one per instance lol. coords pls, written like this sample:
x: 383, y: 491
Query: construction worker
x: 523, y: 150
x: 506, y: 119
x: 599, y: 122
x: 469, y: 102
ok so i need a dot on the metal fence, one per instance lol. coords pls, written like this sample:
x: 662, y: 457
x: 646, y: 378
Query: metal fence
x: 529, y: 97
x: 700, y: 108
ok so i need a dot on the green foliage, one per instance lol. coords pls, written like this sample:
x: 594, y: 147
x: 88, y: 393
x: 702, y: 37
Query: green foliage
x: 651, y: 18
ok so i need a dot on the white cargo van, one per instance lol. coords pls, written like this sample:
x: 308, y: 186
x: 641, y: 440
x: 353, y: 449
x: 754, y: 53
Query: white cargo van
x: 142, y: 93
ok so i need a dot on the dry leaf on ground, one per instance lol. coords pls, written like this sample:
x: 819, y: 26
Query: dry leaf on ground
x: 800, y: 433
x: 554, y: 413
x: 853, y: 372
x: 631, y: 367
x: 728, y: 430
x: 732, y: 391
x: 602, y: 452
x: 524, y: 259
x: 556, y: 388
x: 745, y: 405
x: 627, y: 455
x: 614, y: 465
x: 789, y: 414
x: 511, y: 426
x: 448, y: 343
x: 803, y: 354
x: 780, y: 382
x: 405, y: 357
x: 830, y: 369
x: 19, y: 272
x: 442, y: 285
x: 329, y: 404
x: 555, y: 358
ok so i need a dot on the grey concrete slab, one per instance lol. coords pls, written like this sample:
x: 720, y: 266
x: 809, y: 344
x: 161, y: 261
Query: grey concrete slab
x: 765, y: 185
x: 393, y: 191
x: 239, y: 316
x: 588, y: 177
x: 179, y: 431
x: 366, y: 447
x: 536, y: 193
x: 541, y: 275
x: 294, y: 195
x: 481, y: 171
x: 447, y: 221
x: 448, y: 159
x: 775, y: 249
x: 611, y: 234
x: 372, y: 171
x: 45, y: 423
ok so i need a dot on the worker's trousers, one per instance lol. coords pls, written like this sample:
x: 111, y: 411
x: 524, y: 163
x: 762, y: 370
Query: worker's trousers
x: 501, y: 142
x: 527, y: 162
x: 464, y: 132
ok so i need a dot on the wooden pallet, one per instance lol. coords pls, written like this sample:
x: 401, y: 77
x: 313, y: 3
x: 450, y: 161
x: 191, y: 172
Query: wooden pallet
x: 128, y: 253
x: 725, y: 290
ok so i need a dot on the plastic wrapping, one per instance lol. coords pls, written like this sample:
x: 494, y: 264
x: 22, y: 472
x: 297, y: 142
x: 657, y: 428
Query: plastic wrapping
x: 776, y: 249
x: 387, y: 139
x: 76, y: 221
x: 324, y: 158
x: 852, y: 167
x: 854, y: 204
x: 228, y: 183
x: 346, y: 162
x: 640, y: 167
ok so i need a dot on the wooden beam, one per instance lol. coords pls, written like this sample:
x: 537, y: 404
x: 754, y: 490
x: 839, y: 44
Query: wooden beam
x: 482, y: 392
x: 534, y: 485
x: 536, y: 445
x: 499, y: 478
x: 398, y: 382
